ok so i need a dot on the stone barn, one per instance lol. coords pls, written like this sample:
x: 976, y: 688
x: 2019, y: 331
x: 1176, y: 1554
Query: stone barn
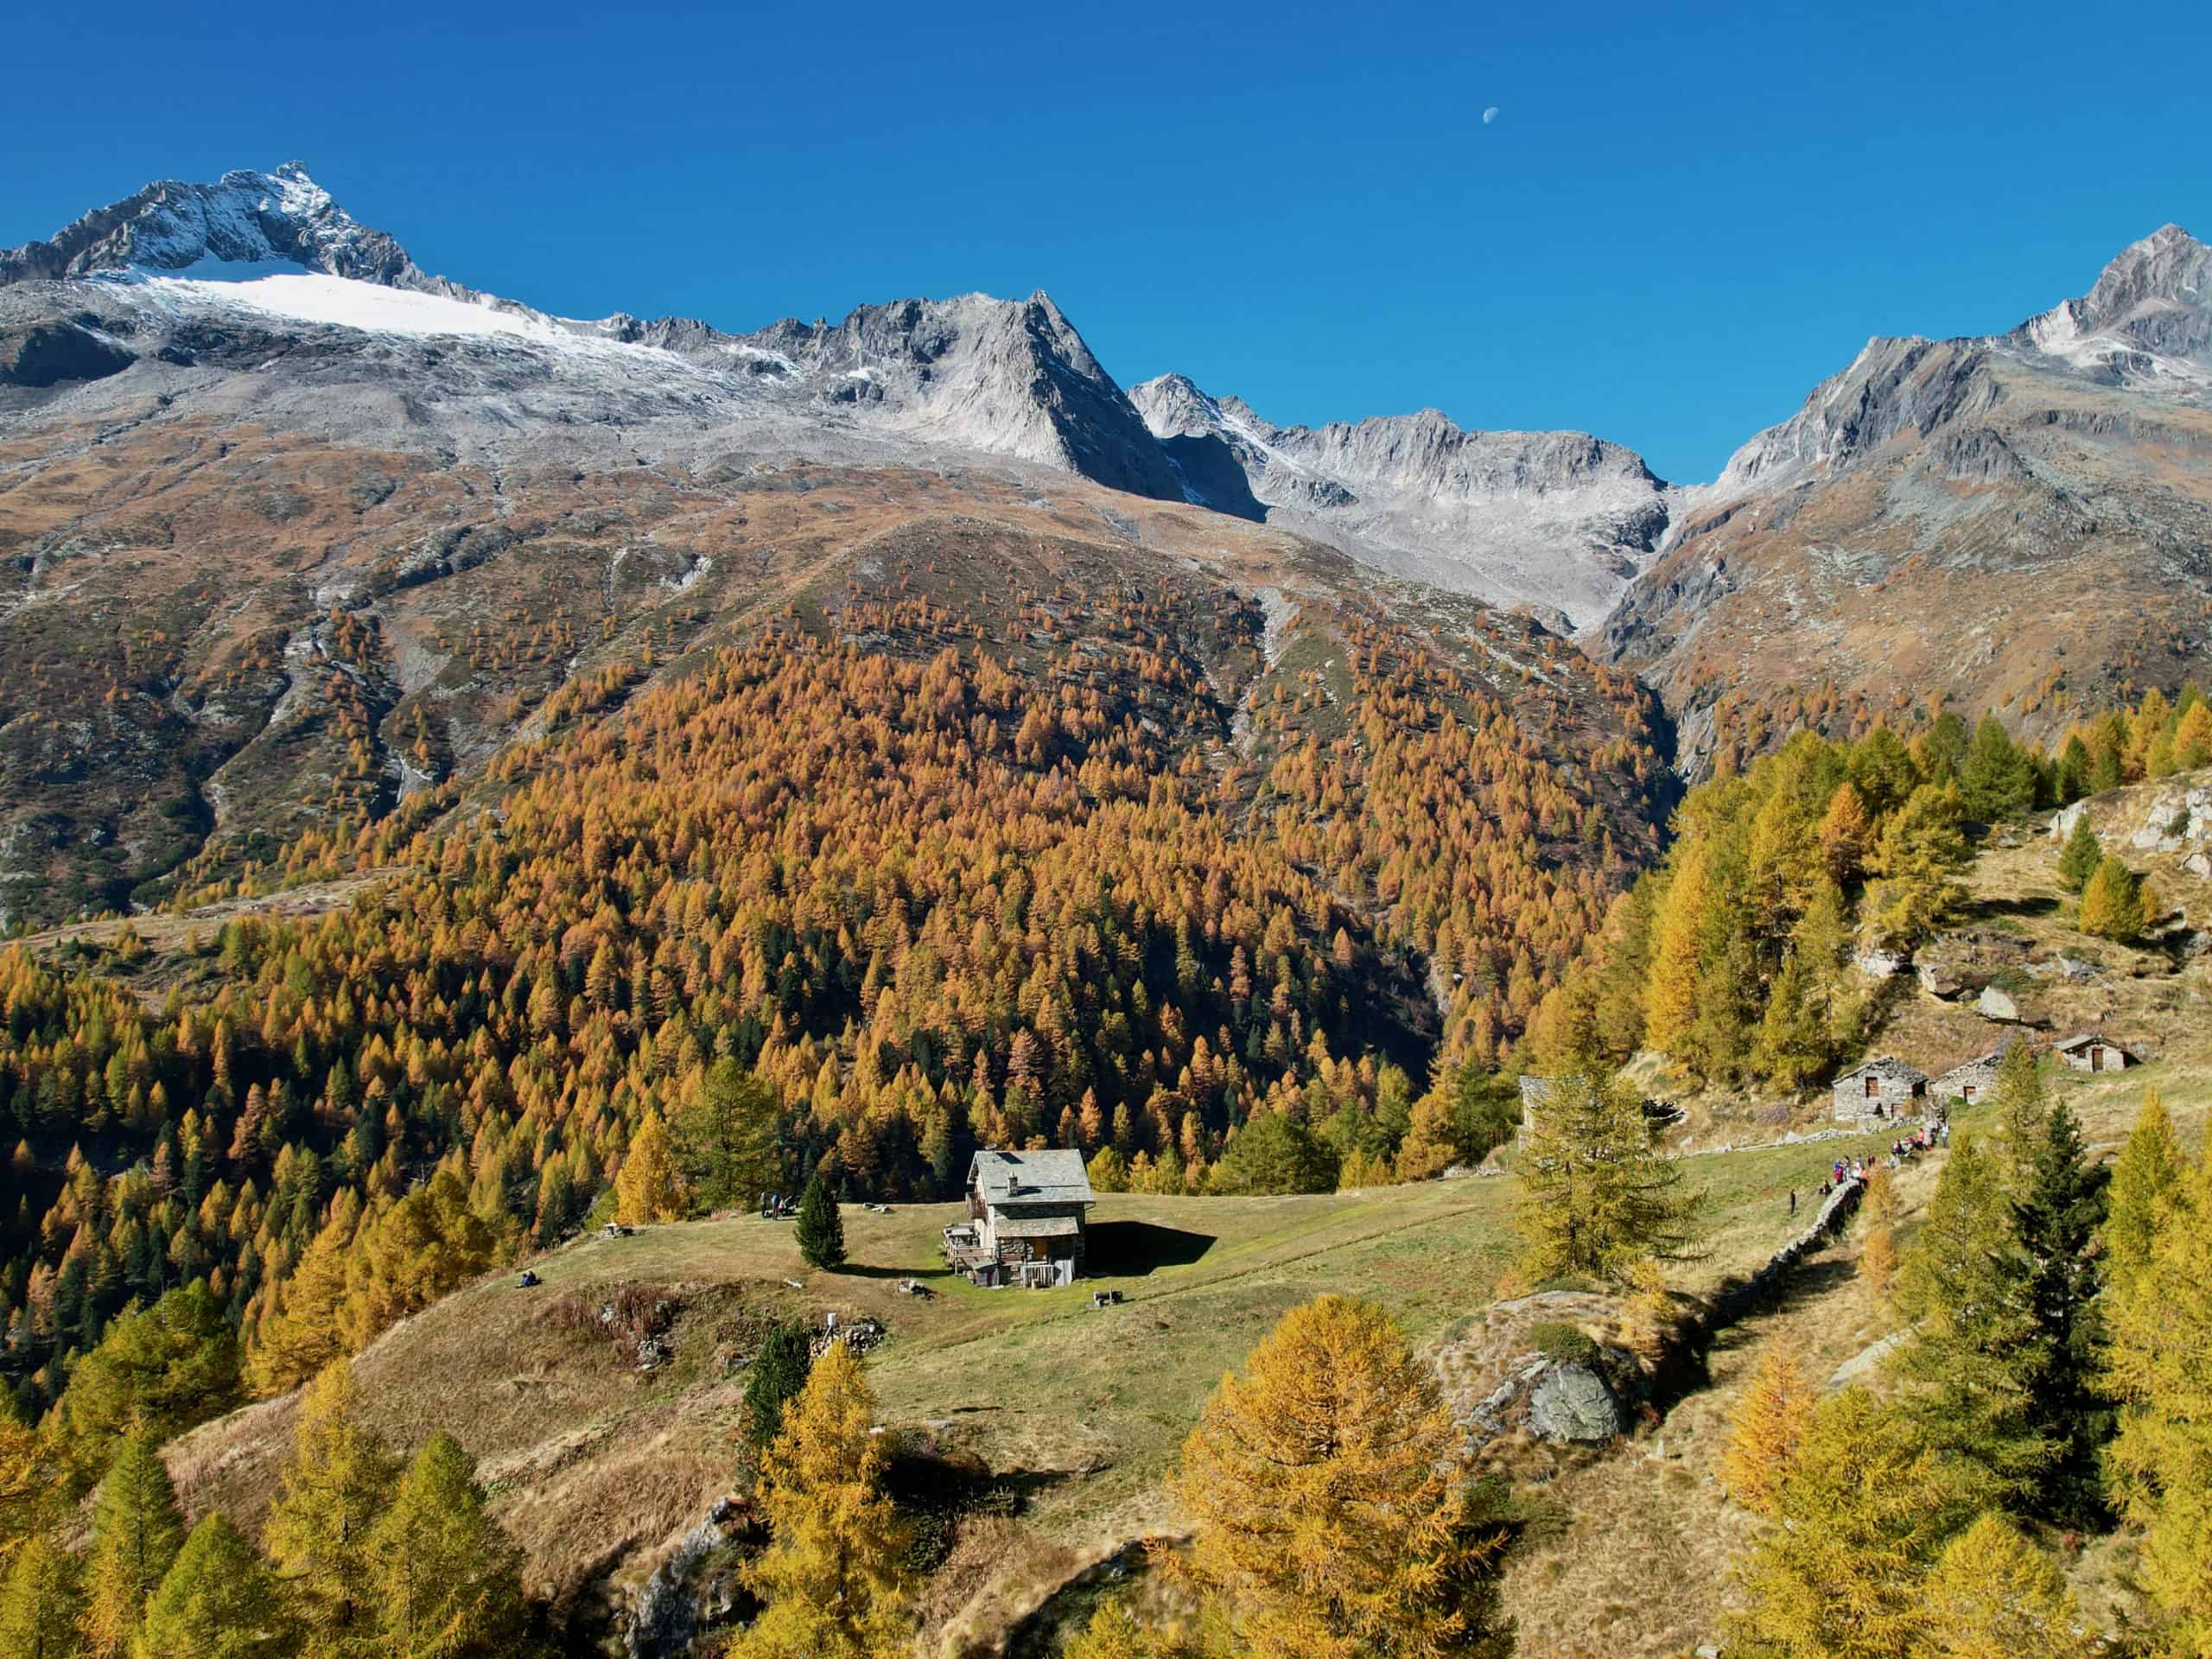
x: 1886, y: 1087
x: 2088, y: 1051
x: 1972, y: 1081
x: 1026, y: 1213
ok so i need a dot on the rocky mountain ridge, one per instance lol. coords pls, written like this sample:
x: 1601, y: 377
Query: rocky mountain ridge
x: 1557, y: 521
x: 2019, y: 521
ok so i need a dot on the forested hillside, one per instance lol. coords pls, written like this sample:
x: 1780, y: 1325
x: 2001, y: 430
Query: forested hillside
x: 1155, y: 864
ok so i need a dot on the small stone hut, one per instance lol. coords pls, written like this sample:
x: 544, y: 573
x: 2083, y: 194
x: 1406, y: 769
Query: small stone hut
x: 1972, y: 1081
x: 1884, y: 1087
x: 2090, y: 1050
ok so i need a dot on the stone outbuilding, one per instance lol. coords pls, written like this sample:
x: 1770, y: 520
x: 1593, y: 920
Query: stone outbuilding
x: 1884, y: 1087
x: 2090, y: 1050
x: 1972, y: 1081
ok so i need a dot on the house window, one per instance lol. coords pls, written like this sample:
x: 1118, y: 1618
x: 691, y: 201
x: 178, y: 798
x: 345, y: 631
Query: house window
x: 1970, y: 1089
x: 1873, y: 1088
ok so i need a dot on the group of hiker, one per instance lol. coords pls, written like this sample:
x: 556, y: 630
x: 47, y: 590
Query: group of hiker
x: 1926, y: 1138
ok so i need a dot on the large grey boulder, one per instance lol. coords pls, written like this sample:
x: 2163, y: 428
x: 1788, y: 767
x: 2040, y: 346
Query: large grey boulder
x: 1572, y: 1401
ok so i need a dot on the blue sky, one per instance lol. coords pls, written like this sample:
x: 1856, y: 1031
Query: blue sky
x: 1681, y: 217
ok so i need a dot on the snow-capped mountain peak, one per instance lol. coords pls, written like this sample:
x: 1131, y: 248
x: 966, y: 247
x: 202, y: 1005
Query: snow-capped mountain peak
x: 244, y: 218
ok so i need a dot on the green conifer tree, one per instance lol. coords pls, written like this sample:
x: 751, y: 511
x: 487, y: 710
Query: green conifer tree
x: 1976, y: 1357
x: 1920, y: 847
x: 136, y: 1531
x: 1997, y: 780
x: 2070, y: 780
x: 336, y: 1484
x: 447, y: 1580
x: 1596, y: 1197
x: 2058, y: 1203
x: 41, y: 1603
x: 777, y: 1373
x: 2082, y: 853
x: 724, y: 1137
x: 219, y: 1600
x: 820, y: 1228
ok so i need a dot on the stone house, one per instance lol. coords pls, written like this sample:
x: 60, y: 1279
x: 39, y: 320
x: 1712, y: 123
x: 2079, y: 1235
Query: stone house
x: 1025, y: 1221
x: 2089, y: 1051
x: 1884, y: 1087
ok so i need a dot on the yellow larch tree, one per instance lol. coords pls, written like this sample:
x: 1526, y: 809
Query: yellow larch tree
x: 831, y: 1576
x: 1327, y: 1513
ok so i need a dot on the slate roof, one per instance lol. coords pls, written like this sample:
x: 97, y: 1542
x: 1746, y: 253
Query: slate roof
x: 1054, y: 1177
x: 1981, y: 1067
x: 1886, y: 1065
x: 1036, y: 1227
x: 2082, y: 1038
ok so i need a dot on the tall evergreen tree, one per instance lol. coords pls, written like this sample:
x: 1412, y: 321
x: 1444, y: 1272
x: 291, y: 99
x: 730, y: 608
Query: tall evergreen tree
x: 2058, y: 1203
x: 156, y: 1371
x: 446, y: 1579
x: 1997, y: 778
x: 336, y: 1484
x: 136, y: 1531
x: 777, y: 1373
x: 2070, y: 780
x: 1976, y: 1356
x: 41, y: 1603
x: 2079, y: 858
x: 725, y: 1137
x: 820, y: 1226
x: 1921, y: 846
x: 219, y: 1600
x: 1596, y: 1197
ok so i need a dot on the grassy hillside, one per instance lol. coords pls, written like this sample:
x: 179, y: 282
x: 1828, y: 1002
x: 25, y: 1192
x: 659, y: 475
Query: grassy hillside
x: 1077, y: 1411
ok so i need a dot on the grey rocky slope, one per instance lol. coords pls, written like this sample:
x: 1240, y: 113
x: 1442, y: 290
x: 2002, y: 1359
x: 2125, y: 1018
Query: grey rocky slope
x: 188, y: 285
x: 2020, y: 521
x: 264, y: 269
x: 1560, y: 521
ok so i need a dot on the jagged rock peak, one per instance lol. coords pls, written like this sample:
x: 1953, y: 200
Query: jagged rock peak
x: 246, y: 217
x: 2150, y: 311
